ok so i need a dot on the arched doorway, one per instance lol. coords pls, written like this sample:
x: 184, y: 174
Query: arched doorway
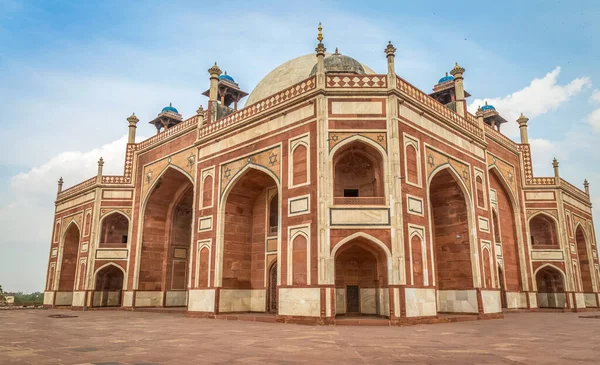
x: 109, y: 287
x: 361, y: 279
x: 551, y: 287
x: 584, y: 261
x: 272, y: 295
x: 451, y: 241
x: 166, y: 238
x: 250, y: 216
x: 358, y: 175
x: 505, y: 232
x: 68, y: 267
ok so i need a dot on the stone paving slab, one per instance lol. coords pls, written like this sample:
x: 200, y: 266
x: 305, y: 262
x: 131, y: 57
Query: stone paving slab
x: 138, y: 338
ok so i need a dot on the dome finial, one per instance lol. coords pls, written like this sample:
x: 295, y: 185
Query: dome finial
x: 320, y: 35
x: 336, y: 51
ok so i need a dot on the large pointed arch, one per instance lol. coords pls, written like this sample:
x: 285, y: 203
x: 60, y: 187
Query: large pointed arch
x: 474, y: 250
x: 67, y: 269
x: 220, y: 236
x: 586, y: 262
x: 159, y: 271
x: 505, y: 217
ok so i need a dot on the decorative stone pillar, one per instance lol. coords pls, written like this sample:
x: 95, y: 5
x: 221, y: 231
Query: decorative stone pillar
x: 60, y: 185
x: 523, y: 128
x: 479, y: 115
x: 133, y: 121
x: 214, y: 72
x: 320, y: 59
x: 390, y: 52
x: 556, y: 174
x: 100, y: 165
x: 459, y: 89
x: 586, y: 186
x: 200, y: 115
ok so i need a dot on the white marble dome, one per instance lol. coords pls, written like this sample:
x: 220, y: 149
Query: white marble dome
x: 286, y: 75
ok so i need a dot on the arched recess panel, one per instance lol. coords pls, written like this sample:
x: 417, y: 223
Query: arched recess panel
x: 299, y: 260
x: 487, y: 274
x: 411, y: 165
x: 81, y: 280
x: 207, y: 191
x: 68, y: 268
x: 584, y: 260
x: 203, y: 258
x: 451, y: 233
x: 299, y: 165
x: 496, y: 223
x: 506, y: 226
x: 417, y: 261
x: 479, y: 192
x: 543, y: 232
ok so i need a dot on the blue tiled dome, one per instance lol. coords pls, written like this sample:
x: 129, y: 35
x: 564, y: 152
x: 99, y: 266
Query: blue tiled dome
x: 226, y: 77
x: 170, y: 108
x: 487, y: 107
x: 446, y: 78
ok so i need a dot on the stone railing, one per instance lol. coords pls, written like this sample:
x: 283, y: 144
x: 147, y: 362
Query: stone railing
x: 77, y: 188
x: 367, y: 200
x: 574, y: 190
x: 500, y: 138
x: 356, y: 81
x: 465, y: 124
x: 260, y: 106
x: 176, y: 129
x: 113, y: 179
x: 541, y: 181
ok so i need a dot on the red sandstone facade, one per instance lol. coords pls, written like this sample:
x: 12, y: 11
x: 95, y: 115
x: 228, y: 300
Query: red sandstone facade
x: 345, y: 193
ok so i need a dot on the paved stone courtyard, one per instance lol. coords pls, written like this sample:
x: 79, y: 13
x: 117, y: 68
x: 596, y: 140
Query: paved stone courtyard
x: 122, y: 337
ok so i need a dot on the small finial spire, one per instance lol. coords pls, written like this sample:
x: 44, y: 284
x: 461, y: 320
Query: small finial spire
x: 390, y: 50
x: 60, y: 185
x: 320, y: 35
x: 101, y: 162
x: 586, y: 186
x: 336, y: 51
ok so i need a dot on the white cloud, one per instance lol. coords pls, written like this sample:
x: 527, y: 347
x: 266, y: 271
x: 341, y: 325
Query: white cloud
x: 595, y: 97
x: 594, y: 119
x: 539, y: 97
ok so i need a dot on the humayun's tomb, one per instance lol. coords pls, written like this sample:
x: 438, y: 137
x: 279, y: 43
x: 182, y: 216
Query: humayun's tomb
x: 334, y: 192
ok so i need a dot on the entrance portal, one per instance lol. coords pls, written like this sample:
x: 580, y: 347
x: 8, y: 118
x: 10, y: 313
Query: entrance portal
x: 361, y: 278
x: 109, y: 287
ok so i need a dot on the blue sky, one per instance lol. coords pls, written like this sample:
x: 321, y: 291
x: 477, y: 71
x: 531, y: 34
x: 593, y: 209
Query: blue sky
x: 72, y: 72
